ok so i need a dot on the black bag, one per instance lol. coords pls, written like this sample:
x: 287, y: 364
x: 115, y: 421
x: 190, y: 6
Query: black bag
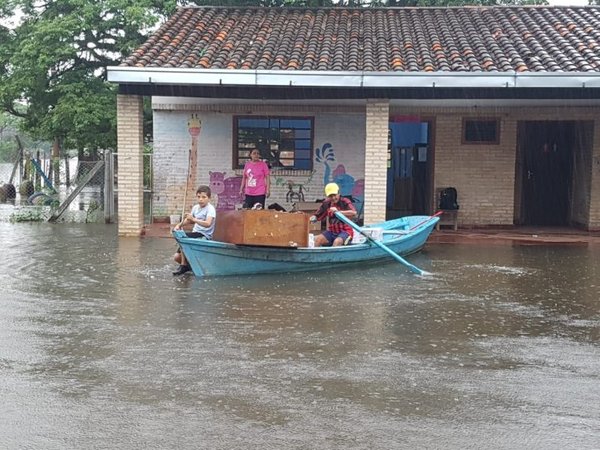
x: 449, y: 198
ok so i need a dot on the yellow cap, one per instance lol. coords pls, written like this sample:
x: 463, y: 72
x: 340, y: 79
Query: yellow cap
x: 331, y: 189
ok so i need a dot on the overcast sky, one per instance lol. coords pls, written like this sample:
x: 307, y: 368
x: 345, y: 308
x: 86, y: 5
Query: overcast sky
x: 568, y: 2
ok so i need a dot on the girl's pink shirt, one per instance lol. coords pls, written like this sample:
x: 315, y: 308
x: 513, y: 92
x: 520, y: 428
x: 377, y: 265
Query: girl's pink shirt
x: 256, y: 174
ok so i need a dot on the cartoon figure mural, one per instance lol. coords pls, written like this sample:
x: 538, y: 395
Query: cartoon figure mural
x: 343, y: 180
x: 226, y: 189
x: 324, y: 155
x: 292, y: 196
x: 194, y: 127
x: 349, y: 187
x: 358, y: 191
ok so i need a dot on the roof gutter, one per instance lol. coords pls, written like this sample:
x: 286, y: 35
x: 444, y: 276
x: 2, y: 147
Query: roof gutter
x: 336, y: 79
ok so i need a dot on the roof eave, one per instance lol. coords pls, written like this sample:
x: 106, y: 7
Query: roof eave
x: 333, y: 79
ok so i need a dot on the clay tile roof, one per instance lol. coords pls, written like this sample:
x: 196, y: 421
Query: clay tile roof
x: 466, y: 39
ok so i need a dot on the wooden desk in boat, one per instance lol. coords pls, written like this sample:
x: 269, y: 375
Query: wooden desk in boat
x: 266, y: 228
x: 309, y: 209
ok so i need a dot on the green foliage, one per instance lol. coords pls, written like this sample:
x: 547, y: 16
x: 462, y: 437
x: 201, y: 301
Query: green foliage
x: 92, y: 212
x: 54, y: 61
x: 147, y: 164
x: 8, y: 144
x: 29, y: 214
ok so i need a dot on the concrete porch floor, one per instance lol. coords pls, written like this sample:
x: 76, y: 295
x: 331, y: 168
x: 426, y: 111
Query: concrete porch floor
x: 516, y: 236
x: 488, y: 235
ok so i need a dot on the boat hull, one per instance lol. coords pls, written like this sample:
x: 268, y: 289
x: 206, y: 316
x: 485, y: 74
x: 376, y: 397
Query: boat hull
x: 212, y: 258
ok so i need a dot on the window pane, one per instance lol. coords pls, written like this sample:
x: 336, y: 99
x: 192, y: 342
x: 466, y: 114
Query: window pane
x: 303, y: 144
x: 303, y: 154
x: 304, y: 164
x: 303, y: 134
x: 287, y: 133
x: 481, y: 131
x: 282, y: 141
x: 286, y: 144
x: 295, y: 123
x: 253, y: 123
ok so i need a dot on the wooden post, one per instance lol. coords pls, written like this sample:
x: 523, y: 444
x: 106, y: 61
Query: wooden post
x: 18, y: 160
x: 37, y: 182
x: 55, y: 161
x: 67, y: 172
x: 109, y: 192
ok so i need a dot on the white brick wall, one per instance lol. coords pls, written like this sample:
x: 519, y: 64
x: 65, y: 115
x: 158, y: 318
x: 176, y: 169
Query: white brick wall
x: 130, y: 150
x: 376, y: 147
x: 344, y: 131
x: 483, y: 175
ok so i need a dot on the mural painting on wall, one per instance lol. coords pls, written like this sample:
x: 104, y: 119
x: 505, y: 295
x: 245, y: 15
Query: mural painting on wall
x: 194, y: 126
x: 292, y: 196
x: 226, y: 191
x: 295, y: 192
x: 349, y: 187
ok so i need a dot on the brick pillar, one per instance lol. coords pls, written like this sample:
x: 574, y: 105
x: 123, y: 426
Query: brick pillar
x: 130, y: 164
x: 594, y: 216
x: 376, y: 146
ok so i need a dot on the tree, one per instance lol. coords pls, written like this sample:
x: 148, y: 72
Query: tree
x: 8, y: 145
x: 54, y: 61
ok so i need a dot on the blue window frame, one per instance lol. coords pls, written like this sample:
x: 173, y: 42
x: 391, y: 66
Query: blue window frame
x: 283, y: 142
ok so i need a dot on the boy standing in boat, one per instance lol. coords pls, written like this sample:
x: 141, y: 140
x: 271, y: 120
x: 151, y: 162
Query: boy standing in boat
x: 337, y: 233
x: 203, y: 216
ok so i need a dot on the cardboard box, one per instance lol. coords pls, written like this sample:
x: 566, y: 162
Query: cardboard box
x: 374, y: 233
x: 266, y: 228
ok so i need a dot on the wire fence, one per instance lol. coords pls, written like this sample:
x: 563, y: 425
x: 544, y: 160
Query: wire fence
x: 44, y: 175
x: 44, y: 181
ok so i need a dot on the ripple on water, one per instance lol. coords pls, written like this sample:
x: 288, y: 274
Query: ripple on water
x: 497, y: 348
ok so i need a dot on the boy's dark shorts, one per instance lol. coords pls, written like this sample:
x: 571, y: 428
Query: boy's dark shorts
x: 331, y: 236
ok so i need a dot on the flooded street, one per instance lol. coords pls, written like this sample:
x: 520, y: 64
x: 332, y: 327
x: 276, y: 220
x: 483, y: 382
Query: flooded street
x: 101, y: 347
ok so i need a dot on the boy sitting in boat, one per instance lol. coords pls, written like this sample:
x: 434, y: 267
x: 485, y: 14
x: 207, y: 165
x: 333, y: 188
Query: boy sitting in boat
x: 203, y: 216
x: 337, y: 233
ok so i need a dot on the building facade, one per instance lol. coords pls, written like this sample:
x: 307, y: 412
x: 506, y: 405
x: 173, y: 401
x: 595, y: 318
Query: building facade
x: 520, y: 145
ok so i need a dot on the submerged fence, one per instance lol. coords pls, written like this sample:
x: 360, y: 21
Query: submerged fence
x: 69, y: 183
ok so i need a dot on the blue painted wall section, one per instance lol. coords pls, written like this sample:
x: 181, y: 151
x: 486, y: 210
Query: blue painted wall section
x: 336, y: 173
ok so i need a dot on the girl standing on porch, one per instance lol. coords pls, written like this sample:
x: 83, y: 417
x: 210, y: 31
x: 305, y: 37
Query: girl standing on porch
x: 256, y: 183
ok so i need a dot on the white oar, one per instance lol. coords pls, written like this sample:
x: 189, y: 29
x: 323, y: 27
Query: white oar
x: 379, y: 244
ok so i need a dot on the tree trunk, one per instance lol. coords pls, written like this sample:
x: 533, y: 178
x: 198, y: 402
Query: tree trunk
x: 37, y: 178
x: 67, y: 171
x: 56, y: 161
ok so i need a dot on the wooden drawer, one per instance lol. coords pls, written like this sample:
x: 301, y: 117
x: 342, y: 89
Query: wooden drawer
x: 309, y: 208
x: 266, y: 228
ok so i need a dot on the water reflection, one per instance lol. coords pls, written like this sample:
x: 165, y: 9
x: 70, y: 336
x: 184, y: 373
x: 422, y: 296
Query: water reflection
x: 500, y: 342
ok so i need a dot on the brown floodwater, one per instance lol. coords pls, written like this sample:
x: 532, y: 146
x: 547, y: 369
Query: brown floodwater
x: 101, y: 347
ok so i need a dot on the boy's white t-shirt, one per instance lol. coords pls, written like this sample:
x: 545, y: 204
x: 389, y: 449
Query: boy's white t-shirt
x: 202, y: 214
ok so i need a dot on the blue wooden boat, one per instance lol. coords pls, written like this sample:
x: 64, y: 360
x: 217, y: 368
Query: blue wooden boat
x: 403, y: 236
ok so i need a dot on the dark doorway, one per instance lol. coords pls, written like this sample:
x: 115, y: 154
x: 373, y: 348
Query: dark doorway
x: 409, y: 167
x: 546, y: 154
